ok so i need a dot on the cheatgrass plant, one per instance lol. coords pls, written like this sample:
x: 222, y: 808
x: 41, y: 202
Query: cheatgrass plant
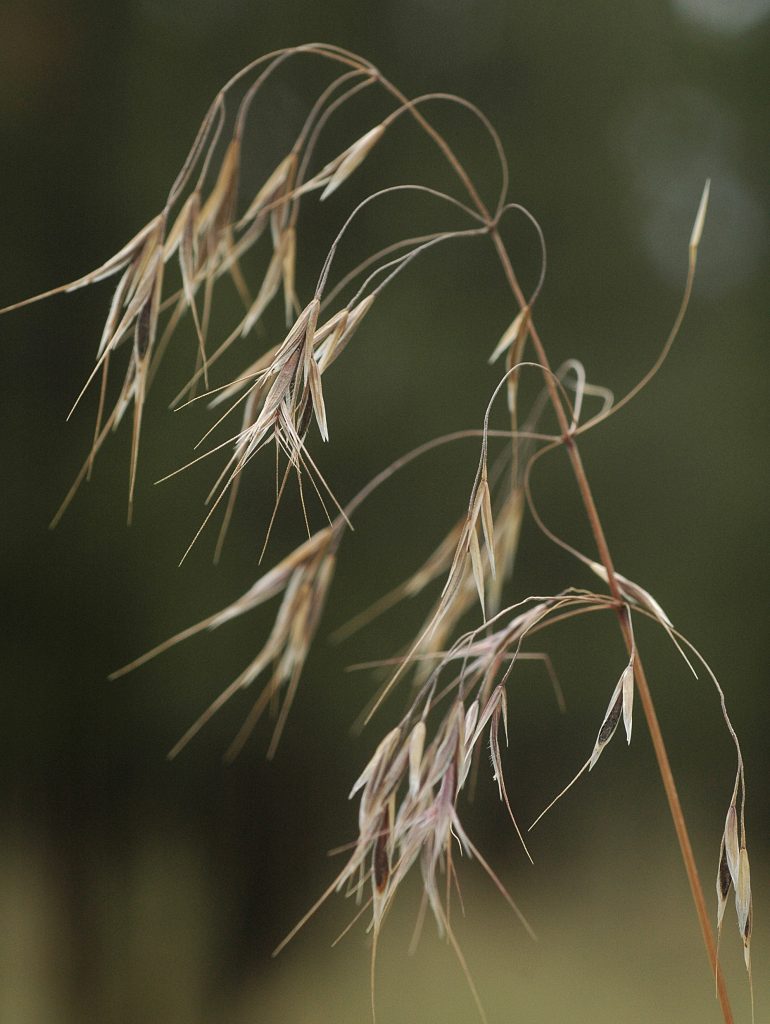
x: 459, y: 667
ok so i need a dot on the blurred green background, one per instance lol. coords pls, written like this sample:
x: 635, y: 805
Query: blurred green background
x: 133, y: 889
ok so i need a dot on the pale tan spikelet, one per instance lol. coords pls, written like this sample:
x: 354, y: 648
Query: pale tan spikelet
x: 637, y: 595
x: 233, y: 249
x: 116, y: 305
x: 328, y: 338
x: 469, y: 725
x: 416, y: 747
x: 609, y: 724
x: 276, y: 580
x: 627, y: 687
x: 479, y: 518
x: 634, y: 593
x: 747, y: 951
x: 319, y: 408
x: 700, y: 219
x: 183, y: 238
x: 187, y: 213
x: 487, y: 522
x: 516, y: 330
x: 732, y: 845
x: 436, y: 564
x: 497, y: 767
x: 385, y: 748
x: 288, y: 250
x: 308, y: 339
x: 745, y: 911
x: 217, y: 210
x: 113, y: 265
x: 723, y: 883
x: 476, y: 565
x: 133, y: 292
x: 139, y: 243
x: 341, y: 339
x: 188, y: 245
x: 271, y: 282
x: 743, y: 891
x: 274, y: 187
x: 290, y: 638
x: 266, y: 587
x: 339, y: 170
x: 507, y: 531
x: 141, y: 283
x: 252, y: 378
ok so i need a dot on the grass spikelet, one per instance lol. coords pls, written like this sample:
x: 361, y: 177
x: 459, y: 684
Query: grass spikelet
x: 700, y: 220
x: 620, y: 705
x: 277, y: 184
x: 731, y: 843
x: 627, y: 688
x: 340, y: 169
x: 304, y: 578
x: 609, y: 724
x: 724, y: 881
x: 743, y: 891
x: 510, y: 338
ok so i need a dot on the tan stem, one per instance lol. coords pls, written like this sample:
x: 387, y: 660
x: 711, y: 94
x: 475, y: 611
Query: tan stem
x: 648, y: 705
x: 664, y: 766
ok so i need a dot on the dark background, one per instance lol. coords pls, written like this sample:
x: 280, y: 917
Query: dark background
x: 136, y: 889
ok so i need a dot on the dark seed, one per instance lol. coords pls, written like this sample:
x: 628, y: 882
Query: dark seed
x: 142, y: 333
x: 380, y: 859
x: 610, y: 722
x: 725, y: 880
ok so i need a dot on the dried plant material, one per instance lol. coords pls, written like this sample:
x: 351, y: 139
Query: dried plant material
x: 339, y: 170
x: 284, y: 403
x: 627, y: 687
x: 416, y: 747
x: 747, y: 952
x: 637, y: 595
x: 743, y: 892
x: 279, y: 183
x: 303, y: 577
x: 487, y: 523
x: 112, y: 266
x: 381, y: 865
x: 217, y: 211
x: 271, y: 282
x: 700, y: 219
x: 507, y: 533
x: 609, y: 724
x: 620, y: 704
x: 409, y: 792
x: 744, y: 911
x: 479, y: 518
x: 407, y: 816
x: 281, y: 394
x: 634, y: 593
x: 380, y: 757
x: 288, y: 248
x: 337, y: 340
x: 724, y: 881
x: 514, y: 335
x: 731, y: 843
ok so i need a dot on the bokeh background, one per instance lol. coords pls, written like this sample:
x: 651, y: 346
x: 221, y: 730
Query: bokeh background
x: 133, y: 889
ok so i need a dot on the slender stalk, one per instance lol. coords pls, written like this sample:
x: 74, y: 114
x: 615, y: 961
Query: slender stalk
x: 648, y: 705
